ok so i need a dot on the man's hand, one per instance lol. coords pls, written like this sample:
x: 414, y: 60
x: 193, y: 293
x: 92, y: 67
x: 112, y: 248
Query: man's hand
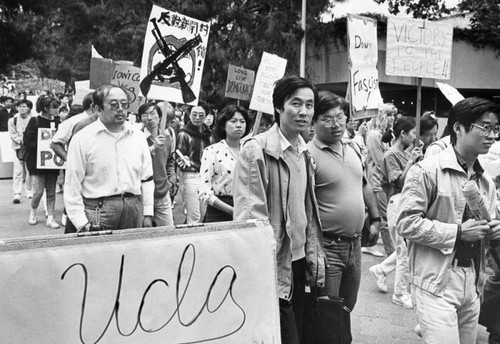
x: 474, y: 230
x: 494, y: 230
x: 159, y: 140
x: 374, y: 231
x: 147, y: 221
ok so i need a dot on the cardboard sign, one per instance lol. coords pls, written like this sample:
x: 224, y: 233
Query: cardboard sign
x: 450, y: 92
x: 6, y: 151
x: 82, y: 88
x: 418, y: 48
x: 154, y: 285
x: 239, y: 83
x: 128, y: 77
x: 271, y: 68
x: 45, y: 156
x: 176, y: 30
x: 363, y: 56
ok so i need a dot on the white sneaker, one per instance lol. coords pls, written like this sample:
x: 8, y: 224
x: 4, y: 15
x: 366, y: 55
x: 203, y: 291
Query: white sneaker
x: 372, y: 251
x: 63, y: 219
x: 403, y: 300
x: 418, y: 330
x: 32, y: 219
x: 380, y: 278
x: 51, y: 223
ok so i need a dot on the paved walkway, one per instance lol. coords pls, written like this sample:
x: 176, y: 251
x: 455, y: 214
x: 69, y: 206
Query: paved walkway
x: 374, y: 320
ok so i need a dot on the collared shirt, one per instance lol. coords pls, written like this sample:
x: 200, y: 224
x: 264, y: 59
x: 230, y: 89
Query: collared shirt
x: 17, y: 125
x: 285, y: 144
x: 101, y: 165
x: 65, y: 130
x: 216, y: 172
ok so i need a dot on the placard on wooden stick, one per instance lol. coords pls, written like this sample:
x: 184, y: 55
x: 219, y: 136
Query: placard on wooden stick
x: 203, y: 284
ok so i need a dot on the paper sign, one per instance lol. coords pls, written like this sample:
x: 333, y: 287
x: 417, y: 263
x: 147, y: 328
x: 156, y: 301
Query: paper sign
x: 271, y: 68
x: 239, y: 83
x: 450, y: 92
x: 213, y: 287
x: 418, y: 48
x: 45, y: 156
x: 363, y: 55
x: 82, y: 88
x: 176, y: 30
x: 6, y: 151
x: 128, y: 77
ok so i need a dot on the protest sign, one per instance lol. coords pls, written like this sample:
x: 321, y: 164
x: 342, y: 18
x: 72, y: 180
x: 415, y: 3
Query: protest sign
x: 158, y: 285
x: 418, y: 48
x: 45, y: 156
x: 128, y: 77
x: 175, y: 29
x: 450, y: 92
x: 271, y: 68
x: 6, y: 151
x: 42, y: 84
x: 363, y: 57
x: 239, y: 82
x: 82, y: 88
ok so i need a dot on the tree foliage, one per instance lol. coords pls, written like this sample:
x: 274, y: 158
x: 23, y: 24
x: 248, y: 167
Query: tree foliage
x: 57, y: 34
x: 423, y: 9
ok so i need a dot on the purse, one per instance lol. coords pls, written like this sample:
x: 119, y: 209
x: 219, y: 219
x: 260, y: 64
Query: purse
x: 326, y: 321
x: 21, y: 153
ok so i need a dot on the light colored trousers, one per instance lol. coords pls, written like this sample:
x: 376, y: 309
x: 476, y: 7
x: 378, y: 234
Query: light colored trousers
x: 453, y: 317
x: 19, y: 171
x: 398, y: 260
x: 44, y: 182
x: 163, y: 211
x: 190, y: 183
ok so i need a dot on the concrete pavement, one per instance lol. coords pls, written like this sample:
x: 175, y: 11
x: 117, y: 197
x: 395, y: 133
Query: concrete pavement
x: 374, y: 320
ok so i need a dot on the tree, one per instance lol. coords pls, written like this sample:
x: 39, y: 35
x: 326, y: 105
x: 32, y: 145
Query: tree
x: 424, y: 9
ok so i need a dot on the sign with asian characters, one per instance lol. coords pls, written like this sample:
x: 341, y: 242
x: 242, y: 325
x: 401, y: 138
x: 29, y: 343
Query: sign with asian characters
x: 418, y: 48
x: 175, y: 29
x: 45, y: 156
x: 214, y: 284
x: 271, y: 69
x: 363, y: 58
x: 239, y: 83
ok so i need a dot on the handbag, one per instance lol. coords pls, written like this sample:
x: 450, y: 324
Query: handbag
x: 326, y: 320
x: 21, y: 152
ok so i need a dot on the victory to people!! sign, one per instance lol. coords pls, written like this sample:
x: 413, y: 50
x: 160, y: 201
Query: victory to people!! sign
x: 45, y: 156
x: 363, y: 57
x: 239, y: 83
x: 271, y: 68
x: 183, y: 74
x: 210, y: 284
x: 418, y: 48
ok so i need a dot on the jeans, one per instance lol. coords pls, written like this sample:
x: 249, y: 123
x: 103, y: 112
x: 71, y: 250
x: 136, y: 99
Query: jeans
x: 453, y: 317
x: 190, y: 182
x: 387, y: 239
x: 114, y: 212
x: 20, y: 173
x: 47, y: 182
x: 292, y: 312
x: 163, y: 211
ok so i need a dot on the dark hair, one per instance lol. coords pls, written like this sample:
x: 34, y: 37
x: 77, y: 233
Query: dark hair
x: 285, y: 88
x: 28, y: 103
x: 405, y: 124
x: 63, y: 108
x: 224, y: 116
x: 328, y: 100
x: 201, y: 104
x: 144, y: 107
x: 87, y: 101
x: 427, y: 122
x: 47, y: 102
x: 467, y: 111
x: 74, y: 110
x: 100, y: 94
x: 5, y: 98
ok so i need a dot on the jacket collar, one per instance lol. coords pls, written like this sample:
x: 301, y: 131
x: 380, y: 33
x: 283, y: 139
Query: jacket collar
x: 448, y: 160
x: 272, y: 142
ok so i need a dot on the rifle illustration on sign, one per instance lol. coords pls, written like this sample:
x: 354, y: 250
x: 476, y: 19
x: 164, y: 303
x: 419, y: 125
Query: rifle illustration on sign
x: 169, y: 69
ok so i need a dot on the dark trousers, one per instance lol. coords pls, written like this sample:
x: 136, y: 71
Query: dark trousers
x: 292, y: 312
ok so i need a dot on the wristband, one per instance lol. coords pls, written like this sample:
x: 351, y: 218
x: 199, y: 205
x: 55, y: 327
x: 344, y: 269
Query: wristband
x: 375, y: 219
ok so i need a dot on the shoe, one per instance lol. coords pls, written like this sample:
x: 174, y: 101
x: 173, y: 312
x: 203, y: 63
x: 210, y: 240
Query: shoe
x: 63, y: 219
x: 403, y: 300
x: 372, y: 251
x: 29, y: 195
x: 32, y: 219
x: 51, y: 223
x: 16, y: 199
x: 418, y: 330
x: 380, y: 278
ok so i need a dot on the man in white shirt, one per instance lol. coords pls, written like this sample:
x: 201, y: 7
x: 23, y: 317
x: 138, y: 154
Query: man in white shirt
x: 109, y: 174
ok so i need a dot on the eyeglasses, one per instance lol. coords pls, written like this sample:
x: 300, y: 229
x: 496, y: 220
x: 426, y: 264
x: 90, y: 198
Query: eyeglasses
x: 115, y: 105
x: 149, y: 113
x: 339, y: 119
x: 488, y: 128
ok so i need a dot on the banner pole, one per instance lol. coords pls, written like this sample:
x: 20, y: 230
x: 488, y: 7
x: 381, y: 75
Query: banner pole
x: 419, y: 110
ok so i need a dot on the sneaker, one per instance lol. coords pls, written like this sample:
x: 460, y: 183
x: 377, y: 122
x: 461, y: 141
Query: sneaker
x: 380, y: 278
x: 372, y: 251
x: 403, y: 300
x: 29, y: 195
x: 51, y: 223
x: 63, y: 219
x: 16, y: 199
x: 418, y: 330
x: 32, y: 219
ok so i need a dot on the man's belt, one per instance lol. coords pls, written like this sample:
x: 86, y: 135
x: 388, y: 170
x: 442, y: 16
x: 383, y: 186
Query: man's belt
x: 462, y: 262
x: 120, y: 195
x: 336, y: 237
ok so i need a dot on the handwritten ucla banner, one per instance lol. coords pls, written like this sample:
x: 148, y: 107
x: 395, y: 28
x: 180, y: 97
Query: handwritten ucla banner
x: 156, y: 286
x: 418, y: 48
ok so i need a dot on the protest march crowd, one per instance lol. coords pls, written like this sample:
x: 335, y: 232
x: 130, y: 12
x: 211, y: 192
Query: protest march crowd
x: 329, y: 186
